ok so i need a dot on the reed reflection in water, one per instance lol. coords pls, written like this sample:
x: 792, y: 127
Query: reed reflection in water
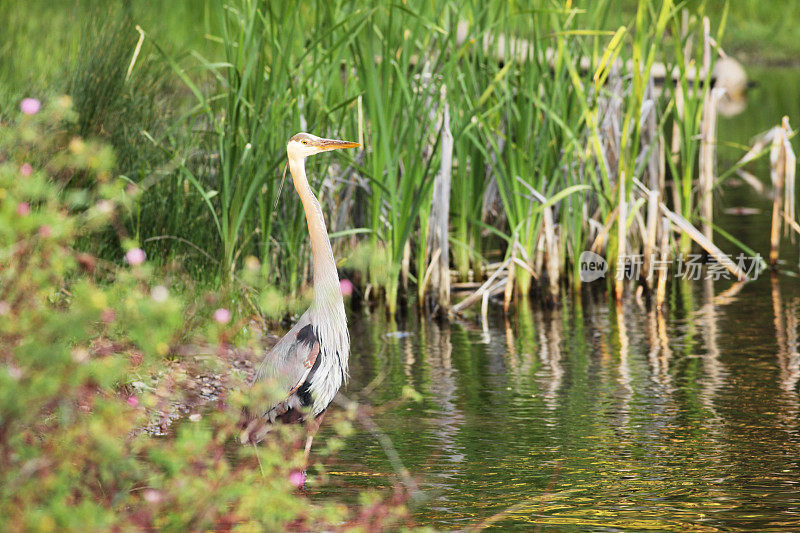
x: 592, y: 415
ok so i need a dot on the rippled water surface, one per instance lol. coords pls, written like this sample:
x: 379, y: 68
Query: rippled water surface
x: 595, y: 416
x: 592, y: 416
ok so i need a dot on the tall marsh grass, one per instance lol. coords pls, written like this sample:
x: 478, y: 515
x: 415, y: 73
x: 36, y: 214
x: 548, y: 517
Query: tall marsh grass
x: 561, y: 141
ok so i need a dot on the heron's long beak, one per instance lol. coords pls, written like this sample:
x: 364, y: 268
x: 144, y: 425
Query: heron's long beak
x: 334, y: 144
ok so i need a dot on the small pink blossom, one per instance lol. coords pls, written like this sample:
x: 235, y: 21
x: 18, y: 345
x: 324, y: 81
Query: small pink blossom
x: 45, y: 231
x: 23, y: 208
x: 297, y: 478
x: 133, y: 401
x: 222, y: 316
x: 4, y: 308
x: 346, y: 286
x: 135, y: 256
x: 26, y: 169
x: 30, y: 106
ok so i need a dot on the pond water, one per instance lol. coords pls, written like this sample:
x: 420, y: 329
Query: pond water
x: 594, y: 416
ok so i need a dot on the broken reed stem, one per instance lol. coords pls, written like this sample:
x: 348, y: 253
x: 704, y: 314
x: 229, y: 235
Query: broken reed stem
x: 708, y: 154
x: 708, y: 123
x: 438, y: 229
x: 751, y: 180
x: 405, y: 265
x: 697, y: 236
x: 602, y: 235
x: 661, y: 291
x: 707, y: 245
x: 790, y: 171
x: 675, y: 148
x: 509, y: 290
x: 442, y: 207
x: 777, y: 157
x: 706, y: 46
x: 654, y: 174
x: 652, y: 230
x: 551, y: 250
x: 622, y: 242
x: 500, y: 285
x: 487, y: 287
x: 428, y: 273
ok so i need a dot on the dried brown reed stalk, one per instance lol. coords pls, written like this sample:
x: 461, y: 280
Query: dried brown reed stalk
x: 438, y: 228
x: 707, y: 161
x: 697, y: 236
x: 782, y: 172
x: 661, y: 291
x: 652, y: 144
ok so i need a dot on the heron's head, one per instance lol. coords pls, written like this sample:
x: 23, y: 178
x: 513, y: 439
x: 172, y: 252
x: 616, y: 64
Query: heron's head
x: 303, y: 145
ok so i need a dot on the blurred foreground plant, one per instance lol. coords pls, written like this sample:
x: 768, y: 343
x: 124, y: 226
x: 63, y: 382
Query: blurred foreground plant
x: 77, y: 335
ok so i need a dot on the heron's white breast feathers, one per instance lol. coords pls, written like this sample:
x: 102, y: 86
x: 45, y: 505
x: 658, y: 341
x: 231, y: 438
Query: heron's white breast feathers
x: 330, y: 327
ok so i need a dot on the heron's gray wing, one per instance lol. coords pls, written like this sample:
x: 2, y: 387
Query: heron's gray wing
x: 290, y: 363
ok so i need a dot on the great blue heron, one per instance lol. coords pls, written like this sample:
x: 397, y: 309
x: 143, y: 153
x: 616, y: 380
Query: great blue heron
x: 310, y: 361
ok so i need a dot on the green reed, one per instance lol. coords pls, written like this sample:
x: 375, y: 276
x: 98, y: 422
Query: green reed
x: 400, y: 95
x: 537, y: 115
x: 546, y: 110
x: 546, y: 107
x: 690, y: 94
x: 268, y: 75
x: 472, y: 78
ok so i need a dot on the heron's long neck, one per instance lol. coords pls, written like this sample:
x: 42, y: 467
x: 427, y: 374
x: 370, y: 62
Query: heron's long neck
x: 327, y: 293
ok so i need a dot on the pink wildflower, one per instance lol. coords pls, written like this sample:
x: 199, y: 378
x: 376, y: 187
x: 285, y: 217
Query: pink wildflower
x: 346, y: 286
x: 135, y: 256
x: 133, y: 401
x: 30, y: 106
x: 297, y: 478
x: 222, y: 315
x: 26, y: 169
x: 23, y: 208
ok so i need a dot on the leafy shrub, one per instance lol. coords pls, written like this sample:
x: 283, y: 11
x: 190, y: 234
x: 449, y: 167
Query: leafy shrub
x: 78, y: 340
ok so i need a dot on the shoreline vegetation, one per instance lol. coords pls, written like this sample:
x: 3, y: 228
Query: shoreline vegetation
x: 475, y: 169
x: 120, y: 397
x: 145, y: 236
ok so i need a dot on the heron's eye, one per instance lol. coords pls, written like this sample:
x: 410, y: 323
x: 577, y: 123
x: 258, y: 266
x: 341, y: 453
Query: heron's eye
x: 304, y: 142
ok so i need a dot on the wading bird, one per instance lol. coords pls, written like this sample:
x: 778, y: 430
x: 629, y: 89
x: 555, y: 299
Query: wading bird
x: 310, y: 361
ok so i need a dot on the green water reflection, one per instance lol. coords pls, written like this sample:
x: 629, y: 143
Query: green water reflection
x: 598, y: 417
x: 595, y: 416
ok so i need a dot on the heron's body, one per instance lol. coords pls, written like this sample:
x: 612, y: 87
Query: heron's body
x: 310, y: 361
